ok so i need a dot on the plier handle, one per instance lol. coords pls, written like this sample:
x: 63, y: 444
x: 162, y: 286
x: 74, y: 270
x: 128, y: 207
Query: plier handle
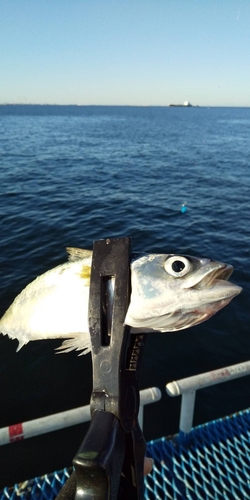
x: 109, y: 463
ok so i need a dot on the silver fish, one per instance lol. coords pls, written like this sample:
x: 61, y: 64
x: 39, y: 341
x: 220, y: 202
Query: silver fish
x: 169, y: 293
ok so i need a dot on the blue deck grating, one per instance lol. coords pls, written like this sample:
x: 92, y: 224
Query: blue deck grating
x: 41, y: 488
x: 212, y: 462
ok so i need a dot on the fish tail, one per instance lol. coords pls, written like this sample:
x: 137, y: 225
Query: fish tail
x: 79, y: 342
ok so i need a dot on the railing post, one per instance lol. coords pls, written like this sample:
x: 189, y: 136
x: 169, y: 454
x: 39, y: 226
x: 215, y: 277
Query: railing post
x: 147, y: 396
x: 188, y: 386
x: 187, y: 411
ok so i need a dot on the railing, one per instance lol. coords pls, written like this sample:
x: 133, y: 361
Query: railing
x: 67, y: 418
x: 188, y: 387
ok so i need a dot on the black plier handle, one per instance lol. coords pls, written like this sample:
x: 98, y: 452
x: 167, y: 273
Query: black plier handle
x: 109, y: 463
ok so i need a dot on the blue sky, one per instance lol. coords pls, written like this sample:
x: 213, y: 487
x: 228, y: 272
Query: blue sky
x: 136, y: 52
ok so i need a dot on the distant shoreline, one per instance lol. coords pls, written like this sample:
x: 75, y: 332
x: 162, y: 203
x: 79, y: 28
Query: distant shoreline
x: 119, y: 105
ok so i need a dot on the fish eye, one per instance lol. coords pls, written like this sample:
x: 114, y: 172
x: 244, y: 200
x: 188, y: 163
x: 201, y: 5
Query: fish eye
x: 177, y: 266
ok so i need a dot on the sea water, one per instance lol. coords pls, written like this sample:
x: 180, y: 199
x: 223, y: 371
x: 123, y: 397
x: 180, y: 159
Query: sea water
x: 73, y: 174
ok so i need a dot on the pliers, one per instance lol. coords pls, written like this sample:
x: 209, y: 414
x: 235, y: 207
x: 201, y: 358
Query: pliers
x: 109, y: 463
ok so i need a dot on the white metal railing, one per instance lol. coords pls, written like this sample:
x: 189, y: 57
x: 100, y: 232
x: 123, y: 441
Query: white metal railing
x: 188, y: 387
x: 67, y: 418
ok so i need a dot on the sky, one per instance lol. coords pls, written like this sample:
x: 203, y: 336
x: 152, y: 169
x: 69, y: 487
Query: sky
x: 125, y: 52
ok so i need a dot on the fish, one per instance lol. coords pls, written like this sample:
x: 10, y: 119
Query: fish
x: 168, y: 293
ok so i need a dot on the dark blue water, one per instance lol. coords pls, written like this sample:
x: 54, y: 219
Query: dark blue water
x: 70, y: 175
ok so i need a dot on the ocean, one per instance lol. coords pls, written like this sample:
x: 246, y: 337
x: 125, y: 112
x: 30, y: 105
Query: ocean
x: 70, y: 175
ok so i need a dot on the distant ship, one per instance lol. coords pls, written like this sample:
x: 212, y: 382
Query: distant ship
x: 186, y: 104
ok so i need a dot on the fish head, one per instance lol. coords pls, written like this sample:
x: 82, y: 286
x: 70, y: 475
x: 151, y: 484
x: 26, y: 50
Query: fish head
x: 173, y: 292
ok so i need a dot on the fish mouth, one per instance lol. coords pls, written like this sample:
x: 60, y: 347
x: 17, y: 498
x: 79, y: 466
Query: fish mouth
x: 218, y: 274
x: 210, y: 289
x: 214, y: 290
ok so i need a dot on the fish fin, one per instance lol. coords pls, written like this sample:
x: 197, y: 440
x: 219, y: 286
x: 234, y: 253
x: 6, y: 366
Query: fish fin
x: 20, y: 345
x: 77, y: 253
x: 80, y: 342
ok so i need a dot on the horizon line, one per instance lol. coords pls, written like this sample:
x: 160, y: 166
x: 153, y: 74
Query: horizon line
x: 129, y: 105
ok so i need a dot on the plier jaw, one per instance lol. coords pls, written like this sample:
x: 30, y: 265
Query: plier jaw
x: 109, y: 463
